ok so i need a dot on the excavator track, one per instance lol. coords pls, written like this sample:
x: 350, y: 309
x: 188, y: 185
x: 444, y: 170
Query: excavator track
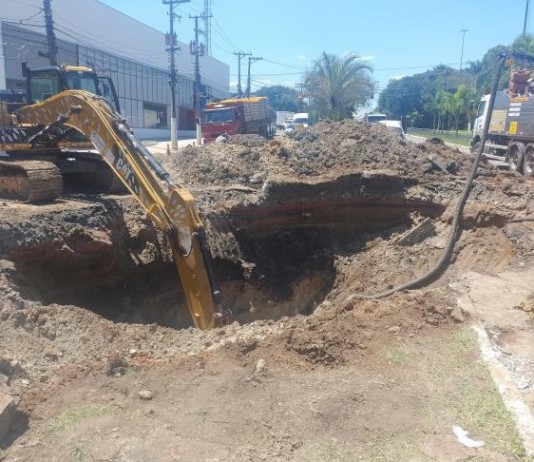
x: 30, y: 181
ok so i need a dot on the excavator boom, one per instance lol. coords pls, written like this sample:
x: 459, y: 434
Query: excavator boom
x: 170, y: 206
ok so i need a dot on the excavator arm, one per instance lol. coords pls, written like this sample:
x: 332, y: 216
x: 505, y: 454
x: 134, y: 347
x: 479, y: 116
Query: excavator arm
x: 170, y: 206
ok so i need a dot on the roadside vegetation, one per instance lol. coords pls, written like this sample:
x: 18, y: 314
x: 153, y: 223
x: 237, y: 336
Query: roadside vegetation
x: 443, y: 99
x: 462, y: 137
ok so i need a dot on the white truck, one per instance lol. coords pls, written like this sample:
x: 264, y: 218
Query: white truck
x: 301, y: 119
x: 510, y: 141
x: 283, y: 117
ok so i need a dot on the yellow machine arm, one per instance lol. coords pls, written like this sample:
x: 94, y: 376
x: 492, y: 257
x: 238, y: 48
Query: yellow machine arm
x: 172, y: 210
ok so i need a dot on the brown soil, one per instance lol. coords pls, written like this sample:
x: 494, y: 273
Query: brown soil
x: 91, y: 310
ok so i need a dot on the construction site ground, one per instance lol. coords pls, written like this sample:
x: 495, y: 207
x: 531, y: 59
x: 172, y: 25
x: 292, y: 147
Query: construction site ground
x: 97, y: 348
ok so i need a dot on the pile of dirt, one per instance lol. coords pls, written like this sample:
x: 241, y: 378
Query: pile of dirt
x: 327, y: 149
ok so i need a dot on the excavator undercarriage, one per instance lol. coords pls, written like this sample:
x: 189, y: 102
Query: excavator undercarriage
x: 30, y: 181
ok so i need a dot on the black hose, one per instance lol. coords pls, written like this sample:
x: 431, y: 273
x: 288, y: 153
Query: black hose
x: 444, y: 261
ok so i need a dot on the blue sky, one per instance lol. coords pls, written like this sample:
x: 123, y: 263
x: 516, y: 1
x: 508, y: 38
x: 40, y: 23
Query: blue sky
x: 398, y: 38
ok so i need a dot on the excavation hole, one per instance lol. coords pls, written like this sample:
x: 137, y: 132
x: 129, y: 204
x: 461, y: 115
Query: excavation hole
x: 280, y: 269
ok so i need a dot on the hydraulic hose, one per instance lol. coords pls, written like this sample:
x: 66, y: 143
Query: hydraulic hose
x: 444, y: 260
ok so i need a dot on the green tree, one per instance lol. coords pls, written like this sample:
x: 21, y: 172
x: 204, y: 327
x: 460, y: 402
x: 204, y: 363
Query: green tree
x: 337, y: 86
x: 422, y: 95
x: 523, y: 43
x: 281, y: 98
x: 488, y: 67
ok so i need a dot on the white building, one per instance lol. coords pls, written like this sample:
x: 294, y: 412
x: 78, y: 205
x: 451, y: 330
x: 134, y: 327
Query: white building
x: 133, y: 54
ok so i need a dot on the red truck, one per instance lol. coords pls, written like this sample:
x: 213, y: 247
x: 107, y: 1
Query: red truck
x: 238, y: 116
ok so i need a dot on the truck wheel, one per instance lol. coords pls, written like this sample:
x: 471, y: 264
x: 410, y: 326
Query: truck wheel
x: 528, y: 163
x: 516, y: 152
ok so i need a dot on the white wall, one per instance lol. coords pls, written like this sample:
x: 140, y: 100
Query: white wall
x: 99, y: 26
x: 2, y: 61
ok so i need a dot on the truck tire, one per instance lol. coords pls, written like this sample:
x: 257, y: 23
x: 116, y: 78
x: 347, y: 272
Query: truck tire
x: 528, y: 162
x: 516, y: 152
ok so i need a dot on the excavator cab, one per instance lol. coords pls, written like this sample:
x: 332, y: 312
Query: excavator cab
x: 44, y: 82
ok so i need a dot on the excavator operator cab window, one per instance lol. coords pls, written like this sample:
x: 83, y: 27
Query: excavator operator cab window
x: 79, y: 80
x: 107, y: 91
x: 43, y: 85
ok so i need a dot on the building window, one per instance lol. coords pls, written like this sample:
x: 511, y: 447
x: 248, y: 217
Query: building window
x: 154, y: 115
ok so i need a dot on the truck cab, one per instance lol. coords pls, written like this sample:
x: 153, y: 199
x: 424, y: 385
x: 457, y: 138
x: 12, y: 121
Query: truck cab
x: 221, y: 119
x: 301, y: 119
x: 480, y: 120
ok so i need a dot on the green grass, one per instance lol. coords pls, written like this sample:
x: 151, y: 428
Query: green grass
x: 463, y: 138
x: 453, y: 139
x: 392, y: 448
x: 458, y: 389
x: 68, y: 419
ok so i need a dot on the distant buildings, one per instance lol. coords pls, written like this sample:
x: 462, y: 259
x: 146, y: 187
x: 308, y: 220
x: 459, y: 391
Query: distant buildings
x: 133, y: 54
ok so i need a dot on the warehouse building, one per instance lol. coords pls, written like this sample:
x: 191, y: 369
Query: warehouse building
x: 133, y: 54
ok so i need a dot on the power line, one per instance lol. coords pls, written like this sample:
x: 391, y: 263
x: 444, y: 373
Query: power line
x: 291, y: 66
x: 225, y: 36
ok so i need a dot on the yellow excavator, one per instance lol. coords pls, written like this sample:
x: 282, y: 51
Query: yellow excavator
x: 35, y: 137
x: 67, y: 156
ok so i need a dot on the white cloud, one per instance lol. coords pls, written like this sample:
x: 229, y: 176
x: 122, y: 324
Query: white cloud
x: 397, y: 77
x: 367, y: 57
x: 301, y: 57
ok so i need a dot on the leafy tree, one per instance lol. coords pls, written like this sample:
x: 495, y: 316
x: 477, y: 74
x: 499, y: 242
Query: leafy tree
x: 488, y: 67
x: 337, y: 86
x: 421, y: 96
x: 281, y: 98
x: 524, y: 43
x: 401, y: 97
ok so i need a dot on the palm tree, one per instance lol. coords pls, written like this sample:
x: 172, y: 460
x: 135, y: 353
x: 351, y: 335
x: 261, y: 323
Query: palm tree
x: 337, y: 85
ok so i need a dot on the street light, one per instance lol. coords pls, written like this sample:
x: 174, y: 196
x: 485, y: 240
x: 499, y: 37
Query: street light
x: 463, y: 31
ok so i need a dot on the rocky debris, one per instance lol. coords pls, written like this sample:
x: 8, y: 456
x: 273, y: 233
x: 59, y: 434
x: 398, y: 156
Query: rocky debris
x: 145, y: 395
x: 457, y: 315
x: 260, y: 366
x: 423, y: 230
x: 8, y: 407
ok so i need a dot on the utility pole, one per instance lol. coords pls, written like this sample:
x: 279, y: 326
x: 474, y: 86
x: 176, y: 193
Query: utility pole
x: 463, y: 31
x: 50, y: 35
x: 172, y: 49
x: 300, y: 102
x: 197, y: 50
x: 251, y: 60
x: 526, y: 18
x: 206, y: 16
x: 240, y: 55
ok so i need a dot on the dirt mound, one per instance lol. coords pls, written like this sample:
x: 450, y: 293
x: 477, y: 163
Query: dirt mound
x: 324, y: 150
